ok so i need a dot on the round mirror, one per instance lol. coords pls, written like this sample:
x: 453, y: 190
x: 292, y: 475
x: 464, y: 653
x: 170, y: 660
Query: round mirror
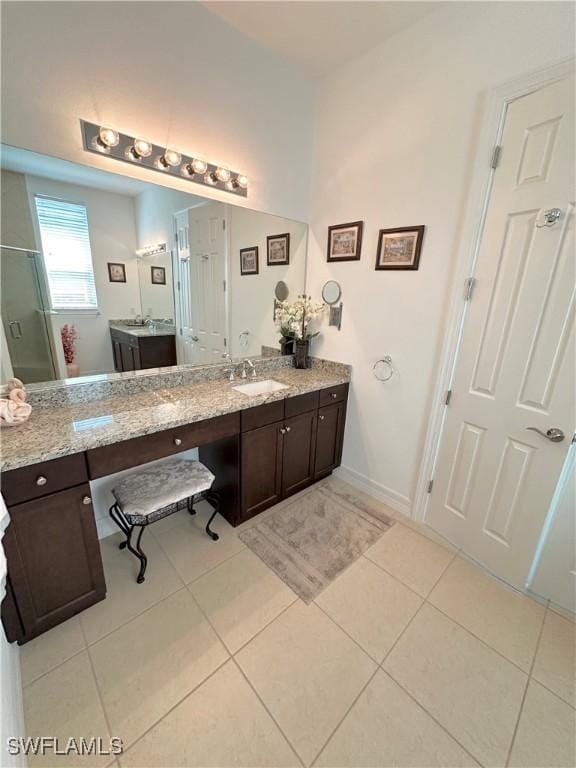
x: 281, y: 290
x: 331, y: 292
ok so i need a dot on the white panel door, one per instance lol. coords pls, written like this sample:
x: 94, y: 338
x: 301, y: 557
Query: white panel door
x: 207, y: 227
x: 495, y: 477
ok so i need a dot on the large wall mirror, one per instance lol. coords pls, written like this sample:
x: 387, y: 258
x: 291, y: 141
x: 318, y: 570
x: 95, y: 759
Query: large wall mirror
x: 101, y: 273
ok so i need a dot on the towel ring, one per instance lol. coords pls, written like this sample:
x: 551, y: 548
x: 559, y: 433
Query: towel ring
x: 383, y: 369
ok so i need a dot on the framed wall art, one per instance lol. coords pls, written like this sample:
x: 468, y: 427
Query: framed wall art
x: 345, y: 241
x: 278, y: 249
x: 399, y: 248
x: 249, y: 261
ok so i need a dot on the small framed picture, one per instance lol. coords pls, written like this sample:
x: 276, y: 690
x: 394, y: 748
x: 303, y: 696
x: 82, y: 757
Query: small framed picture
x: 116, y: 272
x: 399, y: 248
x: 158, y: 275
x: 249, y: 261
x: 345, y: 241
x: 278, y: 249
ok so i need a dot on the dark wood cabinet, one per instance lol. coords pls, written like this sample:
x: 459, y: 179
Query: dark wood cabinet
x: 328, y: 439
x: 298, y: 442
x: 54, y: 563
x: 261, y: 474
x: 134, y: 353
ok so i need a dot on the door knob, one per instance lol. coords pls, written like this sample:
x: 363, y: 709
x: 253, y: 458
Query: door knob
x: 550, y: 218
x: 553, y: 434
x: 86, y: 500
x: 195, y: 338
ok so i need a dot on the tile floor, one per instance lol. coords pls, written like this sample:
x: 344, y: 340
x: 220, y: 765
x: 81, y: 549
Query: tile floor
x: 413, y: 657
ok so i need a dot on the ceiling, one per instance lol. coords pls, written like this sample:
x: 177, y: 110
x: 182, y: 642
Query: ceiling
x: 318, y: 37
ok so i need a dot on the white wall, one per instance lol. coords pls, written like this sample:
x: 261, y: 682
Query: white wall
x: 395, y: 141
x: 111, y: 221
x: 155, y: 209
x: 172, y: 71
x: 252, y: 296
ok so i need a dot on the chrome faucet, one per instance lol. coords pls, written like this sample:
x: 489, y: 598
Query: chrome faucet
x: 230, y: 370
x: 252, y: 366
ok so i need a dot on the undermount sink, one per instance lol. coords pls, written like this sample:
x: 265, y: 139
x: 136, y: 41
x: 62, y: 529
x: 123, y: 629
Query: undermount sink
x: 260, y: 387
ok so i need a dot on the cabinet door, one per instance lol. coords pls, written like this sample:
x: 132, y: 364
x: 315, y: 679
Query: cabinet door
x: 117, y: 354
x: 328, y: 439
x: 261, y: 469
x: 298, y: 453
x: 127, y: 357
x: 53, y: 556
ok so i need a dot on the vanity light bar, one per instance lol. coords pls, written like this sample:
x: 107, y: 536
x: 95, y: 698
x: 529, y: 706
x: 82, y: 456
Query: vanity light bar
x: 103, y: 140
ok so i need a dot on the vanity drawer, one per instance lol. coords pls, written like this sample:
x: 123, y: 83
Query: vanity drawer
x: 38, y: 480
x: 301, y: 404
x: 139, y: 450
x: 261, y: 415
x: 333, y: 394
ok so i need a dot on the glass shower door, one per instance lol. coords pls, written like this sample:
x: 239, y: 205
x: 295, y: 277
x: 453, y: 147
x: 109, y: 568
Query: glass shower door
x: 24, y: 316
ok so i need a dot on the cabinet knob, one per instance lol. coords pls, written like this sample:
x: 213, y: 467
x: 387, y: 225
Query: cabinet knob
x: 177, y: 441
x: 322, y: 418
x: 41, y: 480
x: 86, y: 500
x: 288, y: 429
x: 282, y: 430
x: 334, y: 395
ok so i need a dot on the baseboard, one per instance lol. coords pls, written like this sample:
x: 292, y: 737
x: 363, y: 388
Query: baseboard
x: 105, y: 527
x: 394, y: 500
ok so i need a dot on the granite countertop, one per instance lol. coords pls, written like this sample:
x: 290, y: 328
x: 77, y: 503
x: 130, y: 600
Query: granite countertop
x: 59, y: 431
x: 144, y: 330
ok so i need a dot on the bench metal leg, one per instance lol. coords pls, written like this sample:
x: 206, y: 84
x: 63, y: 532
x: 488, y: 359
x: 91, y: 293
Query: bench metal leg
x: 137, y: 550
x: 190, y: 505
x: 214, y: 499
x: 116, y: 514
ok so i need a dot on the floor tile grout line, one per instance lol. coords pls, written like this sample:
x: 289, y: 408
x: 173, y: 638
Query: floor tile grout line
x: 348, y: 635
x: 524, y: 694
x: 97, y: 684
x: 252, y: 687
x: 262, y: 629
x: 345, y: 715
x: 431, y: 716
x: 378, y: 667
x: 55, y: 667
x: 556, y: 695
x: 391, y: 575
x: 178, y: 703
x: 480, y: 639
x: 215, y: 567
x: 270, y: 715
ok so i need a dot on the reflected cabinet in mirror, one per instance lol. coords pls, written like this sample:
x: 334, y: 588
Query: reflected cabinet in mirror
x: 101, y: 273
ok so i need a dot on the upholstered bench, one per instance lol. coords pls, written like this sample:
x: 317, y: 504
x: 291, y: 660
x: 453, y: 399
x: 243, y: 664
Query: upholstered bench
x: 146, y: 496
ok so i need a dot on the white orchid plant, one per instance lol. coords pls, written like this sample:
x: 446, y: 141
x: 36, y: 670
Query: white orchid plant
x: 293, y: 319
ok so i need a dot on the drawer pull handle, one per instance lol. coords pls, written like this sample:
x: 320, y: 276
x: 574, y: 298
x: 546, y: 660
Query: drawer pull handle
x: 41, y: 480
x: 334, y: 395
x: 322, y: 418
x: 86, y: 500
x: 177, y: 441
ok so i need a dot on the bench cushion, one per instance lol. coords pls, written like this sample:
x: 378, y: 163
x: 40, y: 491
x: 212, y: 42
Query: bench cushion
x: 145, y: 492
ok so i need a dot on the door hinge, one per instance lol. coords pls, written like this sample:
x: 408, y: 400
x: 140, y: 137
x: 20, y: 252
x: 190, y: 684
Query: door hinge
x: 224, y: 224
x: 178, y: 284
x: 496, y: 152
x: 469, y: 284
x: 448, y: 397
x: 225, y: 342
x: 430, y: 486
x: 574, y: 437
x: 224, y: 284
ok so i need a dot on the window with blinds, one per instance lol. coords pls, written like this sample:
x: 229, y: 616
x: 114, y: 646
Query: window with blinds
x: 67, y: 254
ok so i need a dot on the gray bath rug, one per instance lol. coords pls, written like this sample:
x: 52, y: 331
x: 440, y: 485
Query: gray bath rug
x: 309, y: 541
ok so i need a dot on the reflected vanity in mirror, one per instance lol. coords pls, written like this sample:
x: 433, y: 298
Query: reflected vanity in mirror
x: 331, y: 294
x: 103, y: 274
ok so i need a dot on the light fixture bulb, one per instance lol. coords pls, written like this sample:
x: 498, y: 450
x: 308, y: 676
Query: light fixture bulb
x: 199, y: 166
x: 108, y: 137
x: 169, y: 159
x: 142, y: 147
x: 242, y: 181
x: 222, y: 174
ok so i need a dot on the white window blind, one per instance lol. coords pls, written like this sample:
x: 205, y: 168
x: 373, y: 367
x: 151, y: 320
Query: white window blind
x: 67, y: 254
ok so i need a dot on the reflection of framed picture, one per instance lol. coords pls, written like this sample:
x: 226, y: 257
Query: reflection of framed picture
x: 158, y: 275
x: 399, y: 248
x: 278, y: 249
x: 345, y: 241
x: 249, y: 261
x: 116, y: 272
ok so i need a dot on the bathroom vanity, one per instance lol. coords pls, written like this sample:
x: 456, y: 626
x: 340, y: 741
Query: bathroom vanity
x: 261, y: 449
x: 138, y: 348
